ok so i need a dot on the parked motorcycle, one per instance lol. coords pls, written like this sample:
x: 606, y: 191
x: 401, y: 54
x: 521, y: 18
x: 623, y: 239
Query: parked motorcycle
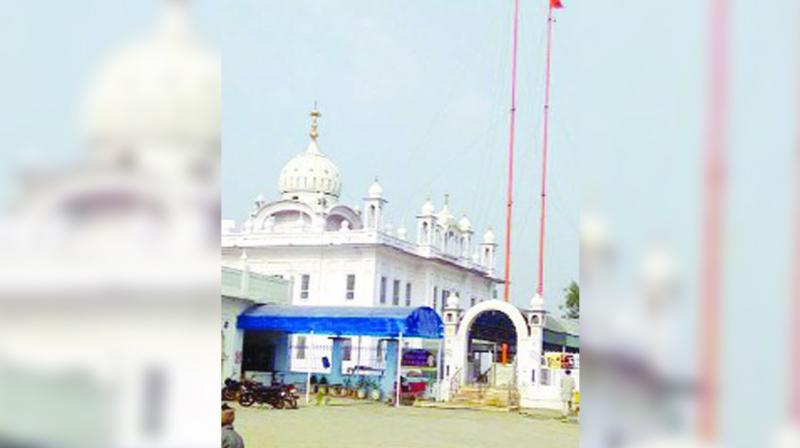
x: 277, y: 396
x: 291, y: 396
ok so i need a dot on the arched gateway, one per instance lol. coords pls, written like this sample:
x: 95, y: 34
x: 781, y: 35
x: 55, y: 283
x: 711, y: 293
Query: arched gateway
x: 464, y: 327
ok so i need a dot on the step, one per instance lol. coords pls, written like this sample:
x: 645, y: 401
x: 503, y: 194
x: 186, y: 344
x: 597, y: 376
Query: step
x: 464, y: 406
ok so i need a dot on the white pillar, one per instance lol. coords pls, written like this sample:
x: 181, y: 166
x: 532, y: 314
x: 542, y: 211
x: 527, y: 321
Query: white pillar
x: 399, y: 368
x: 439, y: 360
x: 308, y: 377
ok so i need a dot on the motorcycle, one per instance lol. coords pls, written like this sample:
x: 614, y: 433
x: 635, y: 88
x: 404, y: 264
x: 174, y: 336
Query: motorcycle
x: 276, y: 395
x: 291, y: 396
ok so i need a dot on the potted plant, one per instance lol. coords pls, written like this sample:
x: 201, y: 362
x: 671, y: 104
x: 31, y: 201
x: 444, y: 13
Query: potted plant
x: 347, y: 390
x: 375, y: 390
x: 361, y: 389
x: 322, y: 386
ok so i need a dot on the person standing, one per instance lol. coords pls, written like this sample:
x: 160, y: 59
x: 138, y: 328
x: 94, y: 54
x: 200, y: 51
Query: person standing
x: 230, y: 438
x: 567, y: 389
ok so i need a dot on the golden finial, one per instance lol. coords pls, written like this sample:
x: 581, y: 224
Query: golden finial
x: 315, y: 114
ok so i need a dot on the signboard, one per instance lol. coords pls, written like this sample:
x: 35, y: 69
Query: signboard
x: 560, y: 360
x: 418, y: 358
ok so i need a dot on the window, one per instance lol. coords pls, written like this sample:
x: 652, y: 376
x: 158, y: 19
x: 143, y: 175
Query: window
x: 347, y: 350
x: 445, y: 295
x: 408, y: 294
x: 472, y: 301
x: 396, y: 293
x: 435, y: 297
x: 351, y: 287
x: 305, y: 280
x: 379, y: 352
x: 300, y: 347
x: 383, y: 290
x: 544, y: 376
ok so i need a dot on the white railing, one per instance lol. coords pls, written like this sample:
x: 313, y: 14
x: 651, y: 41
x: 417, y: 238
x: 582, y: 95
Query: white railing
x: 455, y: 382
x: 308, y: 237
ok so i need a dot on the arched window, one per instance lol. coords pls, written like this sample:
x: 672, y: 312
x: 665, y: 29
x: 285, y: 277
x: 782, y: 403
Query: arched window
x: 425, y: 232
x: 371, y: 218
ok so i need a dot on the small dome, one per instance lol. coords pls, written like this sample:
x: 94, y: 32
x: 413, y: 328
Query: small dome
x: 444, y: 217
x: 453, y: 301
x: 488, y: 237
x: 375, y: 190
x: 464, y: 224
x: 537, y: 303
x: 427, y: 208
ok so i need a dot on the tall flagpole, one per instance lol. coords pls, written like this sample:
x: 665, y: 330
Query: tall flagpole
x: 794, y: 344
x: 510, y: 191
x: 545, y: 125
x: 713, y: 220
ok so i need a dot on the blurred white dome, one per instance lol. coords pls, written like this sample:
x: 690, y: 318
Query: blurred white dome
x: 427, y: 208
x: 453, y: 301
x: 464, y: 224
x: 375, y: 190
x: 165, y: 87
x: 488, y: 237
x: 444, y: 217
x: 537, y: 302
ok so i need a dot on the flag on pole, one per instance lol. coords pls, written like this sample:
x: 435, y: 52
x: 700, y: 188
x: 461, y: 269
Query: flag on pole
x: 556, y: 4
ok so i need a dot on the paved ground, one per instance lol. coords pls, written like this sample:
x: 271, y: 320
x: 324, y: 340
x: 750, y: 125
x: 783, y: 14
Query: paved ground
x: 356, y: 424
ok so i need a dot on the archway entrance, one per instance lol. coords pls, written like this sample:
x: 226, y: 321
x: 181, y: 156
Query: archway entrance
x: 491, y: 349
x: 474, y: 345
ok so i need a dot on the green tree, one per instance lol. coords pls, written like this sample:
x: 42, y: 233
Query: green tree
x: 572, y: 301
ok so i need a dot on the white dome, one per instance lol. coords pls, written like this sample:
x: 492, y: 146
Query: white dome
x: 464, y: 224
x: 310, y: 172
x: 165, y: 87
x: 427, y: 208
x: 375, y: 190
x: 537, y: 302
x: 488, y: 237
x: 444, y: 217
x: 453, y: 301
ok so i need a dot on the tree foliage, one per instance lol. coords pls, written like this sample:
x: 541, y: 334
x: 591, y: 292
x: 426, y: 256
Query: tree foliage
x: 572, y: 301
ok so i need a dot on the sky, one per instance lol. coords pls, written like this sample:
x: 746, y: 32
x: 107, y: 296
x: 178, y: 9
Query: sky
x: 417, y: 93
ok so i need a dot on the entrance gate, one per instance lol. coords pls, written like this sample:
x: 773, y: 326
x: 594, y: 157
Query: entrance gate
x: 493, y: 321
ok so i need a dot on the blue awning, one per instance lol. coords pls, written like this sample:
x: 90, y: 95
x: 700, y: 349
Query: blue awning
x: 422, y: 322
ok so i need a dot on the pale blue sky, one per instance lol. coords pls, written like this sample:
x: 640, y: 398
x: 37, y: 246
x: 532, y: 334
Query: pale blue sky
x: 416, y: 93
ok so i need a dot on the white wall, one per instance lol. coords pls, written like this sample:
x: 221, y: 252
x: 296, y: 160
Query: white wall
x: 232, y: 338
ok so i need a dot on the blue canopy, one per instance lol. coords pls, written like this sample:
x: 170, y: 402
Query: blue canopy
x: 422, y: 322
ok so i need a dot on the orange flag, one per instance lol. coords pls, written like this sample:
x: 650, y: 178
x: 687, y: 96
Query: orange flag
x: 556, y: 4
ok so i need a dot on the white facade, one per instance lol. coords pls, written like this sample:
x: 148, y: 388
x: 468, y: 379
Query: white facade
x: 339, y: 255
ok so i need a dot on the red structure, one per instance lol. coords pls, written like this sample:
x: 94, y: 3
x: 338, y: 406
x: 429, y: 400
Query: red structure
x: 509, y: 193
